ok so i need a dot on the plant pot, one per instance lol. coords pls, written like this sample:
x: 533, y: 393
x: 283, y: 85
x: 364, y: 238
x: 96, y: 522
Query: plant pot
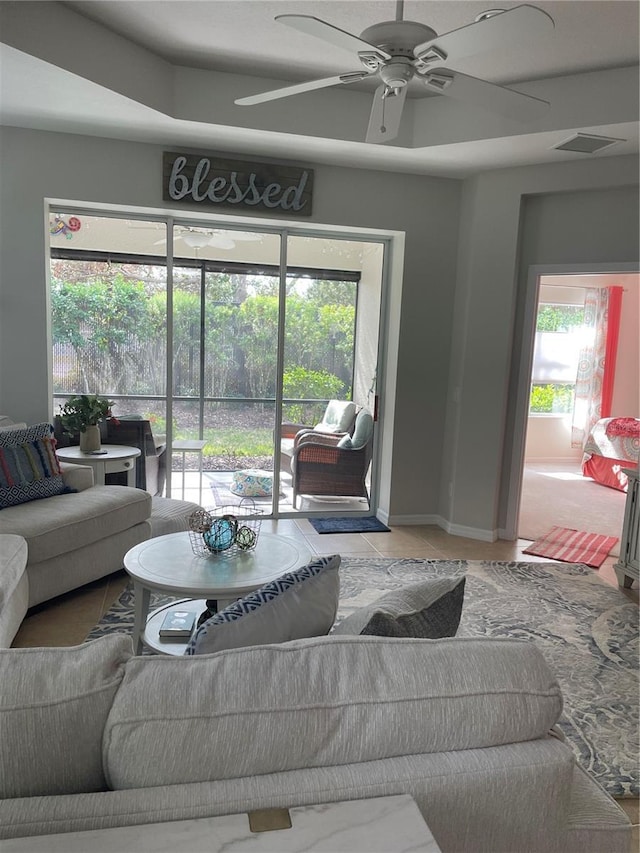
x: 90, y: 439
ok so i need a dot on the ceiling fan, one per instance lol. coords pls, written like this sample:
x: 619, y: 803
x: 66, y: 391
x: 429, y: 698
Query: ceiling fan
x: 198, y: 238
x: 399, y: 51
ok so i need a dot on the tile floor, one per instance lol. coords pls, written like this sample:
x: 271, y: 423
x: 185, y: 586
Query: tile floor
x: 67, y: 620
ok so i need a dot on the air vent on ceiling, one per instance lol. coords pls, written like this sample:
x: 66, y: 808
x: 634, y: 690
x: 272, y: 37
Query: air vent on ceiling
x: 587, y: 143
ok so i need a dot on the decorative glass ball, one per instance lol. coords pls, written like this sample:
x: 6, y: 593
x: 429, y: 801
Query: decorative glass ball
x: 200, y: 521
x: 222, y: 533
x: 245, y: 538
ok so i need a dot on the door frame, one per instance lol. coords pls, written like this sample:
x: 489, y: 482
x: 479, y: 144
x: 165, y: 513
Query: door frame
x: 389, y: 318
x: 514, y: 455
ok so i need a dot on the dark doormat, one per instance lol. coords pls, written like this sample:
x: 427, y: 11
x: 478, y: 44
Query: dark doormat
x: 340, y: 524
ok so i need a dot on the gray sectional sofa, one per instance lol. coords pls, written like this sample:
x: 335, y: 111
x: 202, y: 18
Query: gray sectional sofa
x: 94, y: 737
x: 70, y: 540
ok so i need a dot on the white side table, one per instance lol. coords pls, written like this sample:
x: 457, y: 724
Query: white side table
x: 190, y: 446
x: 378, y: 825
x: 118, y: 457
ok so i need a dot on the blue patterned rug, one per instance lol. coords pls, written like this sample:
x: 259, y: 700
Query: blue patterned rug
x: 586, y: 629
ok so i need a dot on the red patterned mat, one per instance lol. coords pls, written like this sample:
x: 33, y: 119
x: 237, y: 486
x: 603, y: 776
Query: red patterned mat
x: 573, y: 546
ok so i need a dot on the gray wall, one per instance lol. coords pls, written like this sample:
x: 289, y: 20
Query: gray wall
x: 448, y: 422
x: 579, y: 213
x: 39, y: 165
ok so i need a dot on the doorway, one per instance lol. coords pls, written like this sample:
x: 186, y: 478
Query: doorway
x: 554, y: 490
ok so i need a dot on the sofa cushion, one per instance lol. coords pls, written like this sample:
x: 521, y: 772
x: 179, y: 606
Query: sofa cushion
x: 13, y: 560
x: 67, y: 522
x: 54, y: 704
x: 322, y: 702
x: 302, y: 603
x: 29, y: 468
x: 430, y: 609
x: 14, y: 586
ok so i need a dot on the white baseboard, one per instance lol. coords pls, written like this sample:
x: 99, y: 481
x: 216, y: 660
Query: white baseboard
x: 400, y: 520
x: 453, y: 529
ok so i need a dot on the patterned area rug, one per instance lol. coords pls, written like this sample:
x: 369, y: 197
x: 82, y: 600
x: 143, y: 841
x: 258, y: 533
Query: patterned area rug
x: 586, y: 629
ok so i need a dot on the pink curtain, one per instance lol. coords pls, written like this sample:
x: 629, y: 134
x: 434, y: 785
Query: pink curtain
x: 611, y: 349
x: 597, y: 363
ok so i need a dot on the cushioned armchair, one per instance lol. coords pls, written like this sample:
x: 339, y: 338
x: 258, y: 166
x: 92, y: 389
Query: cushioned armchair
x: 332, y: 465
x: 338, y: 420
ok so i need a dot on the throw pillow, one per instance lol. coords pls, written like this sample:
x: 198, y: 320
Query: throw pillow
x: 29, y: 467
x: 430, y: 609
x: 54, y: 705
x: 302, y: 603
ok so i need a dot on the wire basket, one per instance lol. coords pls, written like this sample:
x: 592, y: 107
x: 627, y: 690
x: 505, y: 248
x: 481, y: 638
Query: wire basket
x: 225, y: 530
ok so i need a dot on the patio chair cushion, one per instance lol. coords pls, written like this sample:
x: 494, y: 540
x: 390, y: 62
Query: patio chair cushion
x: 430, y: 609
x: 362, y: 433
x: 338, y: 417
x: 302, y: 603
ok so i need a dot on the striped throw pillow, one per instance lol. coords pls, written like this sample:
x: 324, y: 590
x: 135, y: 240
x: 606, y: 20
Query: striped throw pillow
x: 29, y: 467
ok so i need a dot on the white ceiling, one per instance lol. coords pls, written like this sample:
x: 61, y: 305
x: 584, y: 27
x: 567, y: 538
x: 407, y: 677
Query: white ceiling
x: 242, y: 36
x: 169, y: 72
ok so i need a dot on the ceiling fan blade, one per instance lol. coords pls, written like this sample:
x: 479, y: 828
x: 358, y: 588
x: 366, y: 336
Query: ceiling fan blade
x: 241, y: 236
x: 489, y: 96
x: 298, y: 88
x: 340, y: 38
x: 221, y: 241
x: 386, y: 112
x: 518, y: 24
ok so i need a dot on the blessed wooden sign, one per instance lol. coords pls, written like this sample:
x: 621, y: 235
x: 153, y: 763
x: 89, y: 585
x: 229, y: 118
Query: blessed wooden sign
x: 237, y: 184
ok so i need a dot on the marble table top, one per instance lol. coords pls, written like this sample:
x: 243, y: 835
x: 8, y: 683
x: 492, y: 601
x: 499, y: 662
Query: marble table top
x: 377, y: 825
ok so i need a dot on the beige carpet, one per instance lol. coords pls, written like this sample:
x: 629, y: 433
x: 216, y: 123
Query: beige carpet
x: 556, y: 493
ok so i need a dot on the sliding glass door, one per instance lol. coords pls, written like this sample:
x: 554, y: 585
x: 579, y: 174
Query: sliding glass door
x: 217, y: 336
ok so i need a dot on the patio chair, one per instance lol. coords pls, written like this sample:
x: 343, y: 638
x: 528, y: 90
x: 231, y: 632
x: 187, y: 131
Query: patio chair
x: 151, y: 464
x: 333, y: 466
x: 133, y: 431
x: 337, y: 421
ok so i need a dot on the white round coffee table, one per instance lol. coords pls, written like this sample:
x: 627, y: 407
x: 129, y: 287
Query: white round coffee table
x: 168, y: 564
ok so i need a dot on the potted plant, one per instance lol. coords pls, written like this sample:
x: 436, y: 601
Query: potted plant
x: 82, y: 414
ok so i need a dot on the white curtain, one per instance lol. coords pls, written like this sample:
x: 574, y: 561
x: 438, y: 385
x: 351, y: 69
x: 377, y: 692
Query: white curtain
x: 591, y: 365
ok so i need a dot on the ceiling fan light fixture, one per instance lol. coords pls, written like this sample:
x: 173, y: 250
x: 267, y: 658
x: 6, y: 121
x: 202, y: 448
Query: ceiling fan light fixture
x: 587, y: 143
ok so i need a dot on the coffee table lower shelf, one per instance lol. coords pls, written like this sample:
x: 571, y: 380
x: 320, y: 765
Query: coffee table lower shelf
x: 161, y: 645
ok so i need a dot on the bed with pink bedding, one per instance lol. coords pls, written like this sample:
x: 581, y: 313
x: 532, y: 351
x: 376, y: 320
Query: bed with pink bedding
x: 613, y: 444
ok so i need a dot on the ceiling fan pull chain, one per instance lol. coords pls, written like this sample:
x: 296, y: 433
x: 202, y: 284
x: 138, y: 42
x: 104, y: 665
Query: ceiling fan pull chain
x: 383, y: 129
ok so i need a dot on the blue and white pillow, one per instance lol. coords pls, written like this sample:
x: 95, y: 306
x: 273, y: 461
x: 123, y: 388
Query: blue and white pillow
x: 302, y: 603
x: 29, y: 467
